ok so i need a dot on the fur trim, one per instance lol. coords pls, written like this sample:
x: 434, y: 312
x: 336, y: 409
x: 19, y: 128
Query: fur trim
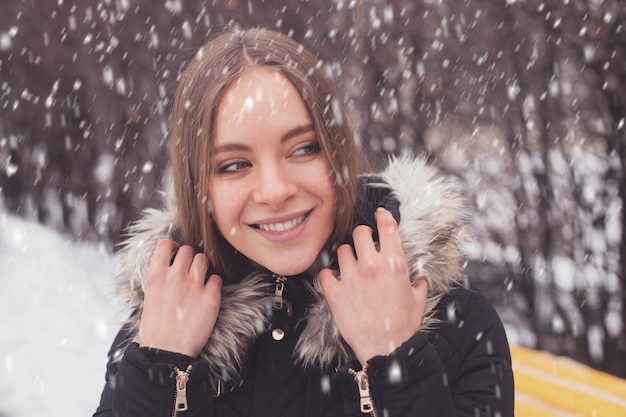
x: 245, y: 306
x: 433, y: 218
x: 432, y: 221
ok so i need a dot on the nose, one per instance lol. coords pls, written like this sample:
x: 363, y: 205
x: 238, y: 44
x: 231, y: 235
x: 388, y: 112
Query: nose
x: 274, y: 186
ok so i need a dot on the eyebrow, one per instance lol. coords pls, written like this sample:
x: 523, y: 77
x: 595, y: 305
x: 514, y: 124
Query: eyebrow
x: 296, y: 131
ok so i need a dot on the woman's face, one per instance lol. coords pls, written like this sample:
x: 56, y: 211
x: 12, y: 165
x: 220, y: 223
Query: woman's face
x: 271, y: 190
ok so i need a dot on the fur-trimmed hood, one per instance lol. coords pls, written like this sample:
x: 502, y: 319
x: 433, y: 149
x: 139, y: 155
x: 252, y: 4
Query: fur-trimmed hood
x: 432, y: 228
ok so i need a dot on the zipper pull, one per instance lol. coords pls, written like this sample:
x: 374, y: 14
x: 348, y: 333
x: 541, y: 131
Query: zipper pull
x: 278, y: 292
x: 365, y: 398
x: 180, y: 399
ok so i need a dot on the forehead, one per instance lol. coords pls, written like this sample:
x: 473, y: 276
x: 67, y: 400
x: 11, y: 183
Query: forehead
x: 256, y: 89
x: 260, y: 97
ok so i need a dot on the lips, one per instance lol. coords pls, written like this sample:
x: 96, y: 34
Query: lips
x: 278, y: 227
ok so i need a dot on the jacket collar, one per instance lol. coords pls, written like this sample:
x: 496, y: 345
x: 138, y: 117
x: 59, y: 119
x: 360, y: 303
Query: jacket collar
x: 433, y: 217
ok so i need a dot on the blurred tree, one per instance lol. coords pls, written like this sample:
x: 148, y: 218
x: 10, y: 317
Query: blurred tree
x: 542, y: 91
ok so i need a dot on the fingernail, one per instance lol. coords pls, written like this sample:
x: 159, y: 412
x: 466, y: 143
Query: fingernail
x: 381, y: 211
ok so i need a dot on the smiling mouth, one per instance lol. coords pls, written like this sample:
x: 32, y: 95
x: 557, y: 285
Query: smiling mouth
x: 282, y: 227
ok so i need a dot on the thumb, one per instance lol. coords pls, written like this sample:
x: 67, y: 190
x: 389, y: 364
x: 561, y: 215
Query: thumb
x: 420, y: 290
x: 328, y: 278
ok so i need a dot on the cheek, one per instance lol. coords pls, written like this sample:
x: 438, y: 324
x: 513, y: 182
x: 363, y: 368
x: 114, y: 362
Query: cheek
x: 329, y: 195
x: 337, y: 202
x: 222, y: 206
x: 330, y: 190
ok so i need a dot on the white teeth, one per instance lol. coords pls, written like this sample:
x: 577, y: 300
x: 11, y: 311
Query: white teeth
x: 281, y: 227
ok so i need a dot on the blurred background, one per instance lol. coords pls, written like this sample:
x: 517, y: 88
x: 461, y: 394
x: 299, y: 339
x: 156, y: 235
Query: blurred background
x: 522, y: 101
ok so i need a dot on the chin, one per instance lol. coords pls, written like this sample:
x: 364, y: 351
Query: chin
x: 291, y: 269
x: 288, y: 271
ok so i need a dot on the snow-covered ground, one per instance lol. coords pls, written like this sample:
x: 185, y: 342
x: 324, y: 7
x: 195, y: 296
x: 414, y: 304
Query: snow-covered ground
x: 58, y: 315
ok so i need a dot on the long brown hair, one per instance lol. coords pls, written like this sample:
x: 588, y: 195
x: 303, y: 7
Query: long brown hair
x: 216, y: 65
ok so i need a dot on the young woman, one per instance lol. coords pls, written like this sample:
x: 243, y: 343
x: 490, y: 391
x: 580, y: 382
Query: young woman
x: 282, y: 281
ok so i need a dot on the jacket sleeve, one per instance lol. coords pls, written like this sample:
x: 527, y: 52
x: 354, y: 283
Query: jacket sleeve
x: 144, y: 384
x: 465, y: 374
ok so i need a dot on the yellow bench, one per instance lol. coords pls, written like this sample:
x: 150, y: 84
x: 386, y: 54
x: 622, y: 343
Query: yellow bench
x: 551, y: 386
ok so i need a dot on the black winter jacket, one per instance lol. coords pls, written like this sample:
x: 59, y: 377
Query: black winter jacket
x: 268, y: 360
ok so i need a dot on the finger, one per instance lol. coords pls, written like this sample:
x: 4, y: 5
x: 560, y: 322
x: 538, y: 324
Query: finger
x: 363, y: 242
x: 198, y: 268
x: 346, y: 258
x: 214, y: 286
x: 161, y: 256
x: 164, y: 249
x: 388, y: 235
x: 184, y: 258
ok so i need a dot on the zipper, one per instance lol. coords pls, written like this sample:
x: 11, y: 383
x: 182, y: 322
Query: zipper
x: 278, y: 292
x: 282, y: 305
x: 279, y: 302
x: 180, y: 397
x: 365, y: 395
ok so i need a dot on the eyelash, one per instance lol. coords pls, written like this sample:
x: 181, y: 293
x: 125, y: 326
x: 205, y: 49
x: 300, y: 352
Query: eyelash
x: 312, y: 148
x: 309, y: 149
x: 225, y: 168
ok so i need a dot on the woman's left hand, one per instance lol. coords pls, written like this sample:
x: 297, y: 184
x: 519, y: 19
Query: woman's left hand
x: 373, y: 303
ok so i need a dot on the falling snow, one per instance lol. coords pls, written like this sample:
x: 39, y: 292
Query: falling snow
x: 523, y: 115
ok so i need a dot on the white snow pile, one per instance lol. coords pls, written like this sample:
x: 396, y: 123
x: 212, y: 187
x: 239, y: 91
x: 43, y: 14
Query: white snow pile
x: 58, y: 316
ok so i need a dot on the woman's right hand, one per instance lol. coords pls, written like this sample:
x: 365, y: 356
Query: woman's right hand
x: 179, y: 310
